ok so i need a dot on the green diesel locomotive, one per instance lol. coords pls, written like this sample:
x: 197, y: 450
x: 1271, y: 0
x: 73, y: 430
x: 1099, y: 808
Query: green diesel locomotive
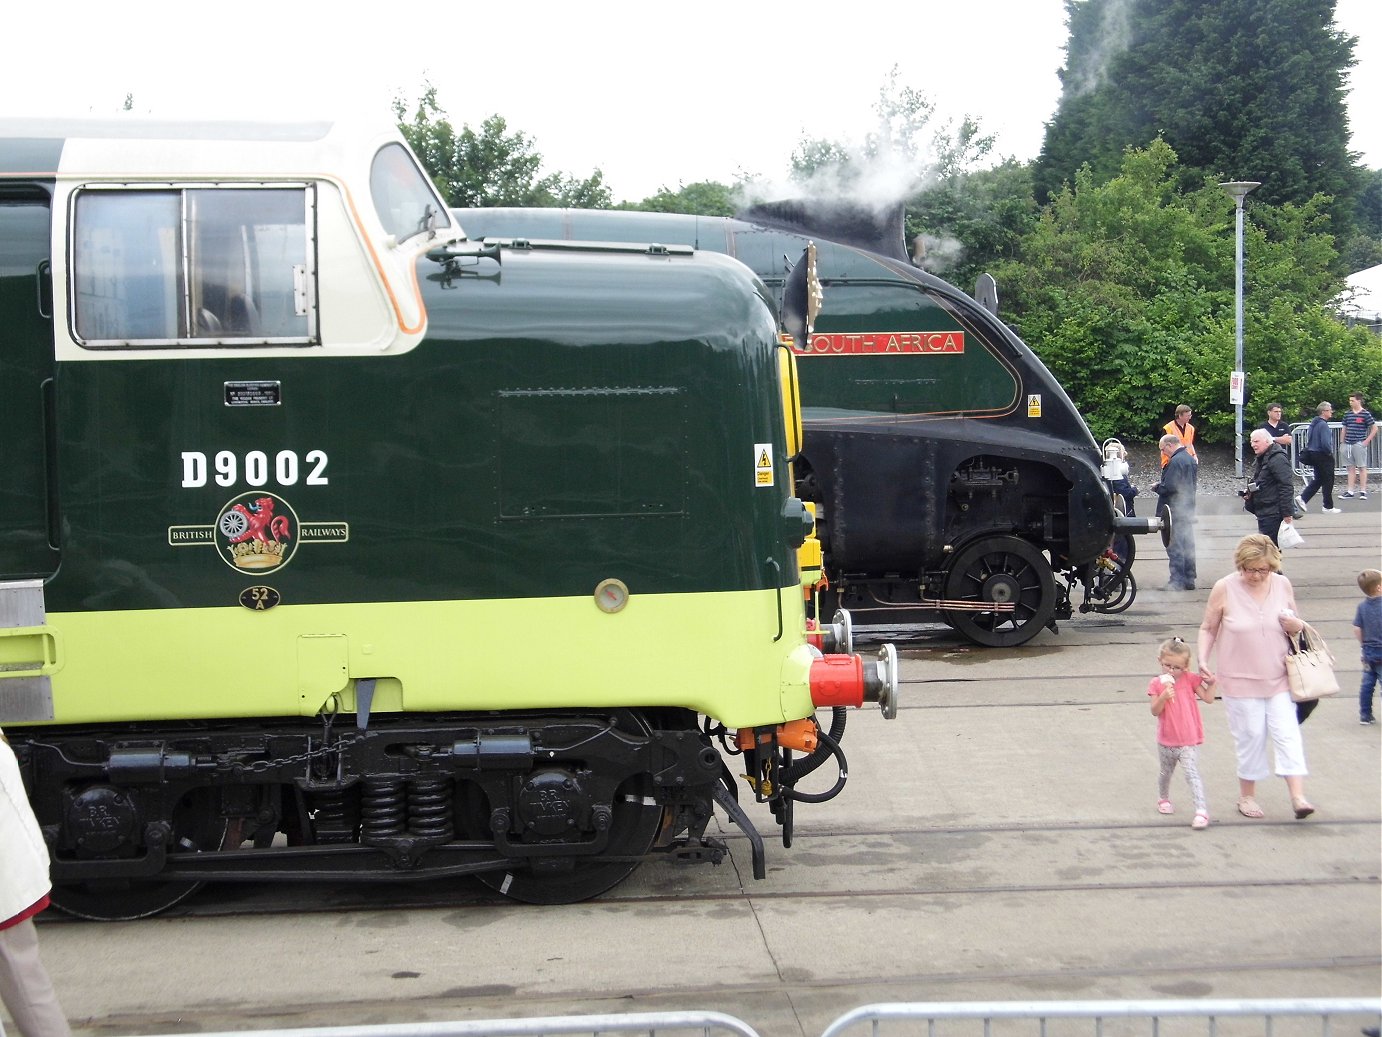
x: 335, y: 546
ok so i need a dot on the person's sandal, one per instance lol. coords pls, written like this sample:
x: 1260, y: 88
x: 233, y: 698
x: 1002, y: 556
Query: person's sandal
x: 1201, y: 820
x: 1247, y: 806
x: 1303, y: 808
x: 1163, y: 806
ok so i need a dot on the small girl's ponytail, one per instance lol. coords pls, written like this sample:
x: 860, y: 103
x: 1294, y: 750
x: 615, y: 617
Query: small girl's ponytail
x: 1174, y: 646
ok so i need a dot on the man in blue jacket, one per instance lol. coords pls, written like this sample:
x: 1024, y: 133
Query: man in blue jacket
x: 1177, y: 491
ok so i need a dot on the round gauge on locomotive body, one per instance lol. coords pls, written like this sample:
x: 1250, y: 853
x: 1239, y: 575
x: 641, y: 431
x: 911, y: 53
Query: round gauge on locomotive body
x: 611, y: 595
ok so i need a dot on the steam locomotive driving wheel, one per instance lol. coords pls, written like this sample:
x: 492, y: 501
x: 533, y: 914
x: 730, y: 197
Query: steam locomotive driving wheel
x: 1001, y: 571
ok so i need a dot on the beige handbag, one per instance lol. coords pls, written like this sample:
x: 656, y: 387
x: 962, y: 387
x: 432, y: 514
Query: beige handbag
x: 1310, y: 666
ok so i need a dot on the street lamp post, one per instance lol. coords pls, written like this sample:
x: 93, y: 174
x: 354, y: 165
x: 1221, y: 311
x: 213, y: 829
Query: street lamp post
x: 1238, y: 190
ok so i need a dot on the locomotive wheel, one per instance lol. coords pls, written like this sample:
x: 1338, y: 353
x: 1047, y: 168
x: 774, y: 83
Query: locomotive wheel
x: 1122, y: 594
x: 1124, y: 549
x: 1001, y: 570
x: 1111, y: 585
x: 633, y: 829
x: 197, y: 826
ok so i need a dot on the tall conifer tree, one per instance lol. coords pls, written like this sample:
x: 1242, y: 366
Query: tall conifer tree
x: 1241, y: 89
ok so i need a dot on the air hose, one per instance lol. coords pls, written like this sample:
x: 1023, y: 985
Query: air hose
x: 829, y: 747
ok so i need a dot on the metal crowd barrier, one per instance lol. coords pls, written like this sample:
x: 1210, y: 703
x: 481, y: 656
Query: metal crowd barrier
x: 655, y: 1024
x: 1283, y: 1017
x: 1325, y: 1017
x: 1374, y: 456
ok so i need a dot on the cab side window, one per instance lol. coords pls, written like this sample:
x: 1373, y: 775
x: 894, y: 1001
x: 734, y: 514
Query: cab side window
x: 193, y: 266
x: 404, y: 199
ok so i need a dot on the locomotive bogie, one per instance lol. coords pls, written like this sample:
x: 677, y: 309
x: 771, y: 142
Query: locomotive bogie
x: 416, y: 797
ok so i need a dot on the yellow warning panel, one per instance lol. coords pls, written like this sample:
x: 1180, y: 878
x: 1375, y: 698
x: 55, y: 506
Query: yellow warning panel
x: 762, y: 464
x: 1034, y: 405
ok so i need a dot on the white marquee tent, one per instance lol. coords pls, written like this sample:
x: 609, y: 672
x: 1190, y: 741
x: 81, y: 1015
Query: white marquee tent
x: 1361, y: 301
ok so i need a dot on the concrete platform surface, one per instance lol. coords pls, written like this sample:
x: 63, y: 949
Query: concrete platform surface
x: 999, y: 840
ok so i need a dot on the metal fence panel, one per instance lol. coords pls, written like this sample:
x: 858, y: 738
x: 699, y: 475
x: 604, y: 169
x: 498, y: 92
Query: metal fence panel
x: 1282, y: 1017
x: 655, y: 1024
x: 1298, y: 432
x: 1317, y: 1017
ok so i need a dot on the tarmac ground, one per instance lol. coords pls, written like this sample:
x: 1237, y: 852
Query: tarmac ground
x: 998, y: 841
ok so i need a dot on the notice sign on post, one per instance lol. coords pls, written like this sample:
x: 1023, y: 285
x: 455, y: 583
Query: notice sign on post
x: 1235, y: 388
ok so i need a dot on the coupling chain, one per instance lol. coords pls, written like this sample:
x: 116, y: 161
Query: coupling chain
x: 259, y: 766
x: 327, y: 748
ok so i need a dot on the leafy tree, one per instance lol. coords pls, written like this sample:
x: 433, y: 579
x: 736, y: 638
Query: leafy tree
x: 905, y: 150
x: 1241, y: 89
x: 491, y: 166
x: 1126, y: 290
x: 973, y: 219
x: 959, y: 217
x: 1363, y: 248
x: 703, y: 198
x: 1369, y: 210
x: 561, y: 189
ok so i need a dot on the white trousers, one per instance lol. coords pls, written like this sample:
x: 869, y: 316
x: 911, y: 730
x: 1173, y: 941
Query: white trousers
x: 25, y: 987
x: 1253, y: 722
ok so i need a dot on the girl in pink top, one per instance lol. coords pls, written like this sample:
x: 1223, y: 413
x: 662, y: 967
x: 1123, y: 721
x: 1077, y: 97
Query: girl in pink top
x: 1248, y: 617
x: 1179, y: 728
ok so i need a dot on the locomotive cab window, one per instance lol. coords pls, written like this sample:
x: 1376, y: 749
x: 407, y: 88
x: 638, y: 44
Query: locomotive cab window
x: 404, y: 199
x: 194, y: 266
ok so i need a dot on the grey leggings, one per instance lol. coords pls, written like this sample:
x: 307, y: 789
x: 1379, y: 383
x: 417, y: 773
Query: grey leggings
x: 1188, y: 758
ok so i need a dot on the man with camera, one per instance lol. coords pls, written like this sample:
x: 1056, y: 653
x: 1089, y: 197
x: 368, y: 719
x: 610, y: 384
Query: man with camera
x: 1271, y: 490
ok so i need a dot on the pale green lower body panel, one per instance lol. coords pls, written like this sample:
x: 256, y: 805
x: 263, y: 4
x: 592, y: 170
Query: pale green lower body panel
x: 718, y: 654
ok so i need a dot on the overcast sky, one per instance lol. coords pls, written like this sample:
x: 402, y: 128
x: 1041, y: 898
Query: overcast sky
x: 652, y: 94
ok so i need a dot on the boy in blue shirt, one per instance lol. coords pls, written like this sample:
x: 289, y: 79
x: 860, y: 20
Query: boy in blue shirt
x: 1367, y: 627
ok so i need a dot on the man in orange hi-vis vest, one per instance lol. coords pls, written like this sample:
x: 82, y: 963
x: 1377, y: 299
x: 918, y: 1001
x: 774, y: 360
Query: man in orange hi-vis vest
x: 1180, y: 426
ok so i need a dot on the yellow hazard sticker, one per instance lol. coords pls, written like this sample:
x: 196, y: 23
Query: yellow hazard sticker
x: 1034, y: 405
x: 762, y: 464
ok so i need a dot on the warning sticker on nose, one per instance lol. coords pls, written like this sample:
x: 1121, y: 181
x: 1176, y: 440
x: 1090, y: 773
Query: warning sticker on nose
x: 762, y: 464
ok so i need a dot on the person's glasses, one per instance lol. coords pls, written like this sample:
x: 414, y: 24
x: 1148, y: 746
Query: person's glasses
x: 1258, y: 572
x: 1169, y: 666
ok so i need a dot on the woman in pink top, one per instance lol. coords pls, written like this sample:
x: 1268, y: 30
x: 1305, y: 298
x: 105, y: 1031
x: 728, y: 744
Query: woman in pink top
x: 1179, y: 729
x: 1248, y: 617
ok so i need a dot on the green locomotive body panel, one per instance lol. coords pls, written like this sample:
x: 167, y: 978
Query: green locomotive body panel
x: 888, y: 349
x: 486, y: 462
x: 881, y: 346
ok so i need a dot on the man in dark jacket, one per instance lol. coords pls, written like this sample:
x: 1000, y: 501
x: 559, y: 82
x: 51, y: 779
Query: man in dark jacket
x: 1177, y: 491
x: 1319, y: 454
x: 1272, y: 486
